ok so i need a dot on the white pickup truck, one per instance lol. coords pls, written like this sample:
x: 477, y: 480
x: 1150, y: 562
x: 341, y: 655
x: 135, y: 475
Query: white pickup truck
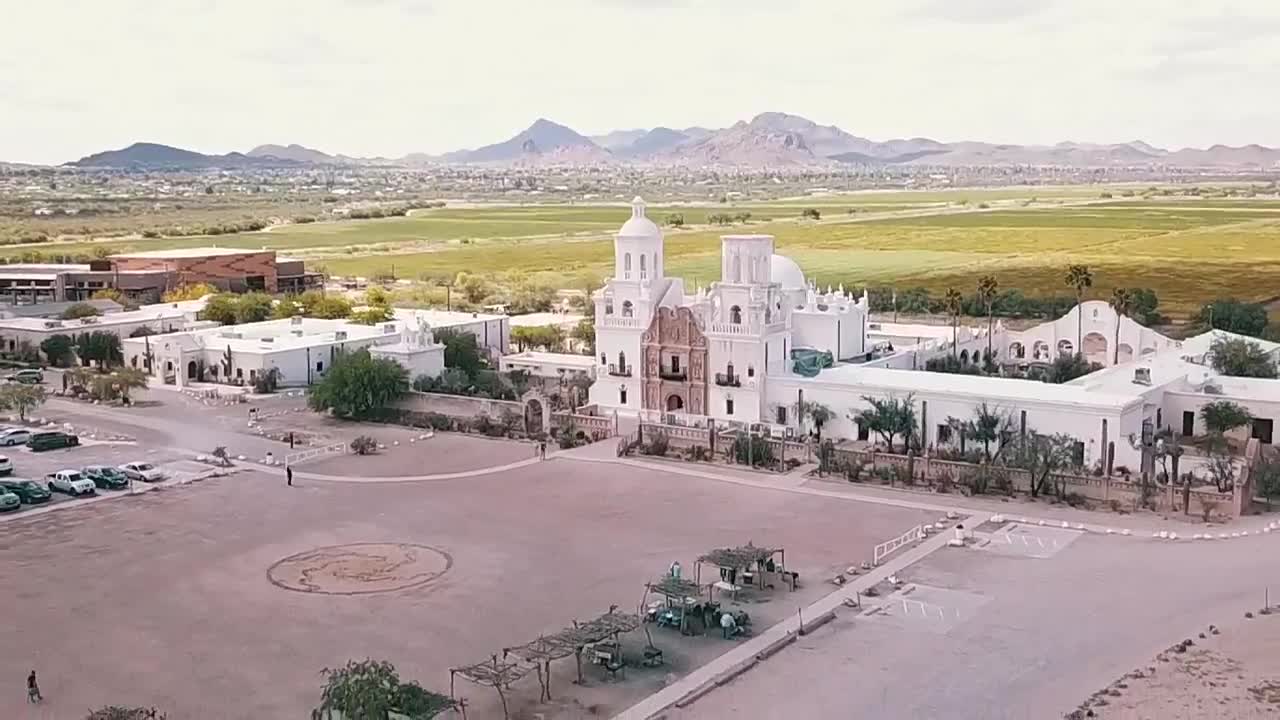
x: 71, y: 482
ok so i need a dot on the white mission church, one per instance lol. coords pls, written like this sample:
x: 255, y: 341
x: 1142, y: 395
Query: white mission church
x: 754, y: 345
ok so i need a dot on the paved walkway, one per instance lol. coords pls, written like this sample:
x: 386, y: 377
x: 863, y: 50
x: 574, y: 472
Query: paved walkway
x: 1135, y: 525
x: 478, y: 472
x: 747, y: 650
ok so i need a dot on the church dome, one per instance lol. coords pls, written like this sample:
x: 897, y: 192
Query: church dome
x: 784, y: 271
x: 639, y: 226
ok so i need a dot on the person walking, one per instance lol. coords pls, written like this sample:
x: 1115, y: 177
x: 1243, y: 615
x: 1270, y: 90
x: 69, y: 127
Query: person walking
x: 542, y: 449
x: 288, y: 473
x: 33, y: 689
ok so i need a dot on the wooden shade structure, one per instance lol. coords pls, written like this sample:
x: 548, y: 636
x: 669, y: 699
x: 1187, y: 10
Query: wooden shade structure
x: 740, y: 559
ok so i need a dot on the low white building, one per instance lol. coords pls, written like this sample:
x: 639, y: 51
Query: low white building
x: 764, y: 341
x: 161, y: 318
x: 493, y: 332
x: 550, y: 366
x: 299, y: 349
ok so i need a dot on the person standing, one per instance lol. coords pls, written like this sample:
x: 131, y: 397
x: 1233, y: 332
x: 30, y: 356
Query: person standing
x: 33, y: 689
x: 542, y: 449
x: 288, y: 473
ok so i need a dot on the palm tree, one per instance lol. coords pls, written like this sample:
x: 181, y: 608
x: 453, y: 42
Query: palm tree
x: 988, y: 287
x: 1079, y: 277
x: 954, y: 303
x: 1122, y: 303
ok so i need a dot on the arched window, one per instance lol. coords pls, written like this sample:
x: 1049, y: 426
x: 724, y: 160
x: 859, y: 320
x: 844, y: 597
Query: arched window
x: 604, y: 360
x: 627, y: 308
x: 626, y: 266
x: 608, y: 306
x: 644, y: 270
x: 728, y: 370
x: 622, y: 361
x: 735, y: 315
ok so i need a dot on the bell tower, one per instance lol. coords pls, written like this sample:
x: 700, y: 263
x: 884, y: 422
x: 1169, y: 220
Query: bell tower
x: 637, y: 248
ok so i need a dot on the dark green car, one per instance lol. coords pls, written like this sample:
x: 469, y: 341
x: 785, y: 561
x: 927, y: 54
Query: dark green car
x: 51, y: 440
x: 29, y: 491
x: 105, y: 477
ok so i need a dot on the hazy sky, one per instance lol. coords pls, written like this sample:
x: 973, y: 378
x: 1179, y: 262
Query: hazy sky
x: 388, y: 77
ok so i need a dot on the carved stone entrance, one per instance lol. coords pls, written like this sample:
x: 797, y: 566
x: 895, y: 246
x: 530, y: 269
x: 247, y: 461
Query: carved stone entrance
x: 674, y: 368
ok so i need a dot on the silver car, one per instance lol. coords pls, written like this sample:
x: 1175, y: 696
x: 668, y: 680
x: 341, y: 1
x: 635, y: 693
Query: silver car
x: 14, y: 436
x: 142, y: 472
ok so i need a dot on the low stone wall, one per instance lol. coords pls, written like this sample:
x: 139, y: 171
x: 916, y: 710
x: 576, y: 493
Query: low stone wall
x: 1116, y: 491
x: 458, y: 406
x: 590, y: 424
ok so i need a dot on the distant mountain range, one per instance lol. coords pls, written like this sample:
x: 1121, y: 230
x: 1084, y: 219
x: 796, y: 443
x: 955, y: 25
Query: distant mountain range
x: 769, y: 140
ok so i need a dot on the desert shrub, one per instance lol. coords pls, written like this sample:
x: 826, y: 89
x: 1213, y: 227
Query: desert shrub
x: 885, y: 475
x: 1075, y: 500
x: 793, y: 463
x: 1207, y: 508
x: 698, y: 453
x: 657, y: 445
x: 438, y: 421
x: 751, y: 451
x: 364, y: 445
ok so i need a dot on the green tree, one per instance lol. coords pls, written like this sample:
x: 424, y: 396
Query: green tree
x: 889, y: 418
x: 1066, y: 368
x: 585, y: 334
x: 58, y: 350
x: 372, y: 690
x: 1221, y: 417
x: 112, y: 294
x: 80, y: 310
x: 954, y: 303
x: 1238, y: 357
x: 473, y: 287
x: 99, y: 346
x: 1146, y: 306
x: 1122, y: 303
x: 1042, y: 456
x: 988, y: 289
x: 461, y: 351
x: 357, y: 385
x: 1234, y: 316
x: 989, y: 425
x: 220, y: 308
x: 1080, y: 279
x: 21, y: 397
x: 189, y: 292
x: 816, y: 413
x: 253, y: 307
x: 371, y: 315
x: 811, y: 213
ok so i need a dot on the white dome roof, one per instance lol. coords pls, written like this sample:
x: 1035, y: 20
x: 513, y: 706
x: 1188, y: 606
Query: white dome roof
x: 639, y: 225
x: 784, y: 271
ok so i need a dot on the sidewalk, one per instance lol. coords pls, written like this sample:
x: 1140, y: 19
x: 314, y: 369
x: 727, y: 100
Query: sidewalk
x: 1020, y: 511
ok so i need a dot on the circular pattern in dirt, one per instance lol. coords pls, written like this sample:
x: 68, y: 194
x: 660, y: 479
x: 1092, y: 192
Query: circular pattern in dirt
x: 360, y: 568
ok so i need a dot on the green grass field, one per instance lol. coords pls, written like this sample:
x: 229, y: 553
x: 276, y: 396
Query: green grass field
x: 1189, y: 249
x: 1187, y: 253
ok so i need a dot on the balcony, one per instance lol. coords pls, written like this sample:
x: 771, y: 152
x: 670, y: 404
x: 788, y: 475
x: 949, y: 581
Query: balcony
x: 620, y: 370
x: 667, y: 373
x: 727, y: 380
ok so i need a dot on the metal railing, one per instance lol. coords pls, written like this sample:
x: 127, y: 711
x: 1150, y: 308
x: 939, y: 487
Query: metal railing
x: 727, y: 380
x: 312, y: 453
x: 620, y: 370
x: 669, y: 374
x: 885, y: 549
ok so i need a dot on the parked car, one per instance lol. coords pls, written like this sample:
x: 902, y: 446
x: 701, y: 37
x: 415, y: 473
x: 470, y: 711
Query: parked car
x: 142, y: 471
x: 51, y: 440
x: 26, y: 377
x: 30, y: 491
x: 6, y: 465
x: 70, y: 482
x: 14, y: 436
x: 105, y: 477
x: 9, y: 501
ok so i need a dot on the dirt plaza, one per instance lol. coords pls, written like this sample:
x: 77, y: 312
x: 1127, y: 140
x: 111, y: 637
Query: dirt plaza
x: 227, y: 597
